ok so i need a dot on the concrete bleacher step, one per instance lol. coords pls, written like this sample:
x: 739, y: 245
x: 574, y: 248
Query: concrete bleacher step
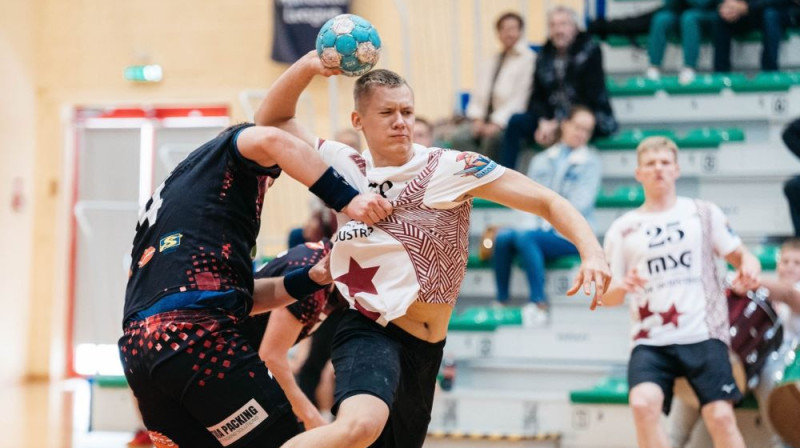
x: 575, y: 335
x: 541, y: 375
x: 711, y: 109
x: 487, y: 410
x: 737, y: 159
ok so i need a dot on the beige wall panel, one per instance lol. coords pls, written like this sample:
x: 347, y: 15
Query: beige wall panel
x: 17, y: 128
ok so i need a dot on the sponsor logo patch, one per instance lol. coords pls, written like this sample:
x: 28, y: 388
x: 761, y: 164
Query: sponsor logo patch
x: 239, y: 424
x: 170, y: 242
x: 147, y: 255
x: 475, y: 164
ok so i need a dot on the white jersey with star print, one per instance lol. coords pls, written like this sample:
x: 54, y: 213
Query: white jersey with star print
x: 419, y: 253
x: 683, y: 301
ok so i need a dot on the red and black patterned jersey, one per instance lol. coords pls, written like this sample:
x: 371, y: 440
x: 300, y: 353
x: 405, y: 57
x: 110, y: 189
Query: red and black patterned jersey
x: 311, y: 311
x: 196, y: 232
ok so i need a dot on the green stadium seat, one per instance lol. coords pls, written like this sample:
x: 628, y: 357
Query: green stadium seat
x: 709, y: 137
x: 629, y: 139
x: 767, y: 255
x: 765, y: 82
x: 704, y: 83
x: 624, y: 196
x: 633, y: 86
x: 110, y: 381
x: 609, y: 390
x: 485, y: 318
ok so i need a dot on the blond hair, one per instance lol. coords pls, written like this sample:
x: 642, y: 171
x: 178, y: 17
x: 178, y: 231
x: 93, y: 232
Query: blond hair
x: 656, y: 143
x: 791, y: 244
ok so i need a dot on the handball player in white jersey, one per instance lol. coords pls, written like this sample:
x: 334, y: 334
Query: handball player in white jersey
x: 663, y: 257
x: 402, y: 275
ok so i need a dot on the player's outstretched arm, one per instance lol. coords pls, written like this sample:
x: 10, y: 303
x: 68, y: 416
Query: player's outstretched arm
x: 279, y: 106
x: 516, y: 190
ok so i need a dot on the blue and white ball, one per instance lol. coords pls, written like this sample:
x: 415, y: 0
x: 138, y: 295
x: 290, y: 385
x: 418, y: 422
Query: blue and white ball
x: 350, y: 43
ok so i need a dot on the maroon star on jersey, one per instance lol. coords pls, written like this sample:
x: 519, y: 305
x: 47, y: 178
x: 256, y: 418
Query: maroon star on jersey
x: 359, y: 279
x: 670, y: 316
x: 642, y: 334
x: 644, y: 311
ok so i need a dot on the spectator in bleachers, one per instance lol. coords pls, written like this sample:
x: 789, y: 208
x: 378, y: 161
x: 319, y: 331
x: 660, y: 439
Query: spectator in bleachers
x: 687, y: 17
x: 569, y: 71
x: 791, y: 136
x: 503, y: 87
x: 423, y: 132
x: 771, y: 17
x: 572, y: 170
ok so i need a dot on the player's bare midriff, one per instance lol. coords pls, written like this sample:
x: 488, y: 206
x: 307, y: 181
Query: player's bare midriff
x: 426, y: 321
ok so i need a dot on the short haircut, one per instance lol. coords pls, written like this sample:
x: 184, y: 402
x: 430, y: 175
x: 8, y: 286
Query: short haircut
x: 577, y: 109
x: 791, y: 244
x: 655, y: 143
x: 376, y: 78
x: 561, y: 9
x: 509, y: 15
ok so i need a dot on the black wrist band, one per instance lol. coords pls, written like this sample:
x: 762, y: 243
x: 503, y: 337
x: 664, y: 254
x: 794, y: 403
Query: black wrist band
x: 299, y: 285
x: 333, y: 189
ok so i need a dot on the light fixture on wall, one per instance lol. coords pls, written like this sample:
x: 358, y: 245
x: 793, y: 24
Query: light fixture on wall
x: 144, y: 73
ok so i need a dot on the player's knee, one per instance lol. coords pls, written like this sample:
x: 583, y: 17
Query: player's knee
x: 720, y: 416
x: 645, y: 404
x: 364, y: 429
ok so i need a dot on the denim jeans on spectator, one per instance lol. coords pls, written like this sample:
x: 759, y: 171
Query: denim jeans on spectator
x: 533, y: 247
x: 770, y: 21
x: 666, y: 22
x: 521, y: 128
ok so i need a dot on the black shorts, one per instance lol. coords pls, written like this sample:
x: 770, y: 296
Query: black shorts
x: 199, y: 383
x: 390, y: 364
x: 705, y: 365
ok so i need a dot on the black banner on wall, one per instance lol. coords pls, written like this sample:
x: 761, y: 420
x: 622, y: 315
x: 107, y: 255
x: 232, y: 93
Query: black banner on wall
x: 297, y: 23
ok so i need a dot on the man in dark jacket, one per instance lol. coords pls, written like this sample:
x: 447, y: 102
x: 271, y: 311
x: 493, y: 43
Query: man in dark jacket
x: 771, y: 17
x: 569, y: 72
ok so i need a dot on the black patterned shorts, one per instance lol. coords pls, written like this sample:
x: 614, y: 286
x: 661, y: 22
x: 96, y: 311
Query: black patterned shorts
x: 199, y: 382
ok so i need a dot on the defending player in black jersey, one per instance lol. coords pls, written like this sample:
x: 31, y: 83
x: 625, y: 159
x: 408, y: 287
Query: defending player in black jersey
x: 274, y: 333
x: 198, y: 381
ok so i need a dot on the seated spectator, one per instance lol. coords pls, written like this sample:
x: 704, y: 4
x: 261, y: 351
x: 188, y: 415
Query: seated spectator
x: 791, y: 136
x: 569, y: 71
x: 423, y: 132
x: 571, y: 170
x: 771, y: 17
x: 502, y: 89
x: 688, y: 16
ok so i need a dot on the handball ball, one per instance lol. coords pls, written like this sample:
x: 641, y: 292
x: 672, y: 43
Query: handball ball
x: 350, y: 43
